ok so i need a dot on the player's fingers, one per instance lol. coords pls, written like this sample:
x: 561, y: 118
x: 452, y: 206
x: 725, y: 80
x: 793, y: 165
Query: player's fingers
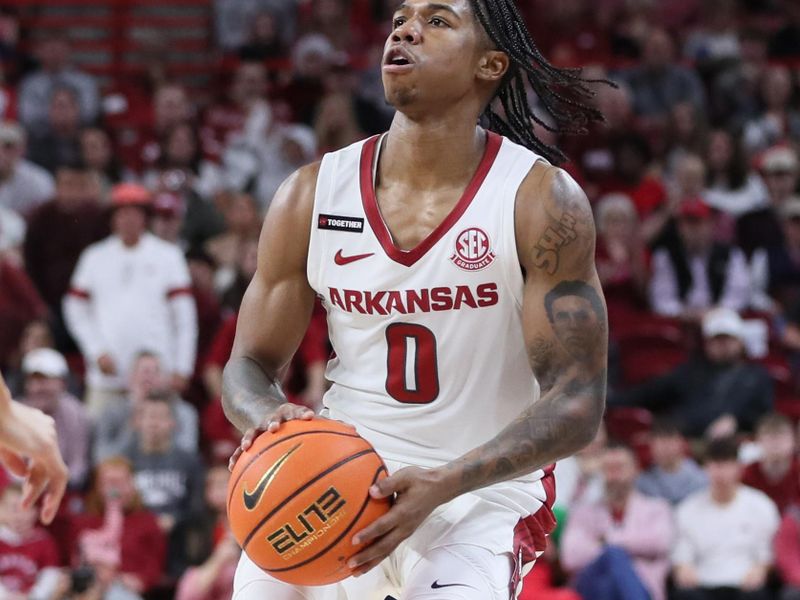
x: 34, y: 486
x: 57, y: 485
x: 366, y: 568
x: 375, y: 553
x: 234, y: 457
x: 13, y: 462
x: 376, y: 529
x: 247, y: 439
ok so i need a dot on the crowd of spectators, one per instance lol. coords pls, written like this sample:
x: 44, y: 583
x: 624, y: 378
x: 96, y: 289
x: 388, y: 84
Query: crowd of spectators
x: 129, y: 223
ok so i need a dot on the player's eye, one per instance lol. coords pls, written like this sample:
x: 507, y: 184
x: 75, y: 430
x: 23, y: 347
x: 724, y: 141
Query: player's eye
x: 398, y: 22
x: 438, y: 22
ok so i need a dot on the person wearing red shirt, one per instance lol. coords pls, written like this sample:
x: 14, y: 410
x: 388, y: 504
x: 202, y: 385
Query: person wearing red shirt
x: 28, y: 554
x: 20, y: 304
x: 777, y: 473
x: 116, y: 536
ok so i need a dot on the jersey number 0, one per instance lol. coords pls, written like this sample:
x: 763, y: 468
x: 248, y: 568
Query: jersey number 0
x: 411, y: 369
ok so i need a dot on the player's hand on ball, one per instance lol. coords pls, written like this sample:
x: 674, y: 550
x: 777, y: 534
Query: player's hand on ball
x: 417, y: 493
x: 285, y: 412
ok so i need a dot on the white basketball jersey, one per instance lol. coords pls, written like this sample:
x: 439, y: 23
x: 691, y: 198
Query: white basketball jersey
x: 429, y: 355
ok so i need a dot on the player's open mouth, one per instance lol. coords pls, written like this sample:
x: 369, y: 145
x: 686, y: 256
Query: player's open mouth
x: 398, y: 60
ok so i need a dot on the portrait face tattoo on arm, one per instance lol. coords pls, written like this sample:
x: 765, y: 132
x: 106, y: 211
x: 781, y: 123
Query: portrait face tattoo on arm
x: 577, y: 315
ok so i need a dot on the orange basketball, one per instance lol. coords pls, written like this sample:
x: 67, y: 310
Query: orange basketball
x: 298, y: 496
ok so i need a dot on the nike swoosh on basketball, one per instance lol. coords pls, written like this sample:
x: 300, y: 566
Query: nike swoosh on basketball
x: 342, y: 260
x: 436, y: 585
x: 252, y: 498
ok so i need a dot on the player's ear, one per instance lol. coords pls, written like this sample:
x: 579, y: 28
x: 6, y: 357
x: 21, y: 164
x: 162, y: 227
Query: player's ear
x: 493, y: 65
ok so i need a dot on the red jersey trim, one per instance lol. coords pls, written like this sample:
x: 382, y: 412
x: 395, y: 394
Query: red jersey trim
x: 78, y: 293
x: 378, y: 225
x: 178, y: 292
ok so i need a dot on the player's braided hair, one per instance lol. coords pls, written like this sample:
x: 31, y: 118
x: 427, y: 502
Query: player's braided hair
x: 562, y: 92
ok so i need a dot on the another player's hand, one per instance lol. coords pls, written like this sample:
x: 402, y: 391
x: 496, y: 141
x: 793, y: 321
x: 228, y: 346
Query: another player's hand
x: 271, y: 424
x: 418, y: 493
x: 29, y: 449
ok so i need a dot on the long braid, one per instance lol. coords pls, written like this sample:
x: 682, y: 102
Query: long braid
x: 561, y: 92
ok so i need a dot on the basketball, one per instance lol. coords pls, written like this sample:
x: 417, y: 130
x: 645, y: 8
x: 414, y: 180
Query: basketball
x: 296, y: 498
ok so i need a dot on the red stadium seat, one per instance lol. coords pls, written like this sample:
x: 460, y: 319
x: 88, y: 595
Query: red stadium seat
x: 650, y: 349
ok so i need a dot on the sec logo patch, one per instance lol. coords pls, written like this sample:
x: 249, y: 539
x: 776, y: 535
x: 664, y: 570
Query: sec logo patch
x: 473, y: 250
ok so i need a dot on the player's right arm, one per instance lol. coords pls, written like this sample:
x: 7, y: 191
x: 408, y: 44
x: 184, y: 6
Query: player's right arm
x: 274, y: 314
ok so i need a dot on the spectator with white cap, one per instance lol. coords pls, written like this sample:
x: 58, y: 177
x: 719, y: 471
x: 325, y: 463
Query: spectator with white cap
x: 131, y: 291
x: 45, y: 373
x: 716, y: 394
x: 23, y: 185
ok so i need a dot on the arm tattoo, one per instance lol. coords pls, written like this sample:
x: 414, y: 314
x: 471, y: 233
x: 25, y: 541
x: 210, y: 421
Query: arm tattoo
x: 249, y: 393
x: 572, y: 374
x: 547, y: 252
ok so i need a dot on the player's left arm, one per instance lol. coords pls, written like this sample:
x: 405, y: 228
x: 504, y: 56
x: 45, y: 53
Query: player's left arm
x: 566, y: 334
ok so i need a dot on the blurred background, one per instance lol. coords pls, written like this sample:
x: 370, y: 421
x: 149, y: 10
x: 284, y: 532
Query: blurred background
x: 140, y: 145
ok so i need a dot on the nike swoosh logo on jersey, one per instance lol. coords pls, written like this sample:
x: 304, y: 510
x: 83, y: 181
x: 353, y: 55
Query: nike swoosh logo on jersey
x: 341, y: 260
x: 252, y: 498
x: 436, y: 585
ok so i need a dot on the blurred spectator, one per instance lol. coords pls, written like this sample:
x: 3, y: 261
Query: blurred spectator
x: 19, y: 305
x: 28, y: 568
x: 336, y: 123
x: 169, y: 479
x: 716, y: 394
x: 117, y: 542
x: 45, y: 373
x: 169, y: 210
x: 209, y: 315
x: 264, y: 41
x: 777, y: 471
x: 55, y: 70
x: 734, y: 89
x: 312, y: 57
x: 731, y: 187
x: 36, y: 334
x: 716, y: 39
x: 674, y: 474
x: 23, y: 184
x: 578, y: 477
x: 724, y: 544
x: 776, y: 269
x: 698, y: 274
x: 245, y: 114
x: 97, y: 154
x: 115, y: 431
x: 242, y: 225
x: 761, y: 228
x: 778, y: 122
x: 262, y: 167
x: 58, y: 232
x: 785, y: 42
x: 181, y: 165
x: 787, y: 553
x: 618, y: 548
x: 247, y: 262
x: 660, y: 83
x: 12, y: 235
x: 131, y: 291
x: 211, y: 546
x: 233, y: 20
x: 138, y: 146
x: 59, y: 142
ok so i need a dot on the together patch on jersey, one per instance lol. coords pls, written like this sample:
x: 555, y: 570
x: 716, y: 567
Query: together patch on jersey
x: 340, y: 223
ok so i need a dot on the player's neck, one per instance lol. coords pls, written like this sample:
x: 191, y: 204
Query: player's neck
x: 431, y: 154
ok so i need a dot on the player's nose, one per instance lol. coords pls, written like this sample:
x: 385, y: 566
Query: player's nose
x: 409, y: 31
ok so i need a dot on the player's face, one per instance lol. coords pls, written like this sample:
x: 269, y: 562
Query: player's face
x: 432, y: 52
x: 575, y: 323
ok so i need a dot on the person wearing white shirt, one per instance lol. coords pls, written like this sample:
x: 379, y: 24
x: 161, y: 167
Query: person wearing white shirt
x: 23, y: 185
x: 725, y: 533
x: 131, y: 292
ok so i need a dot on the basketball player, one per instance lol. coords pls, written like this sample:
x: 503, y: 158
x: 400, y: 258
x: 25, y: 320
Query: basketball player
x: 29, y: 449
x: 456, y: 267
